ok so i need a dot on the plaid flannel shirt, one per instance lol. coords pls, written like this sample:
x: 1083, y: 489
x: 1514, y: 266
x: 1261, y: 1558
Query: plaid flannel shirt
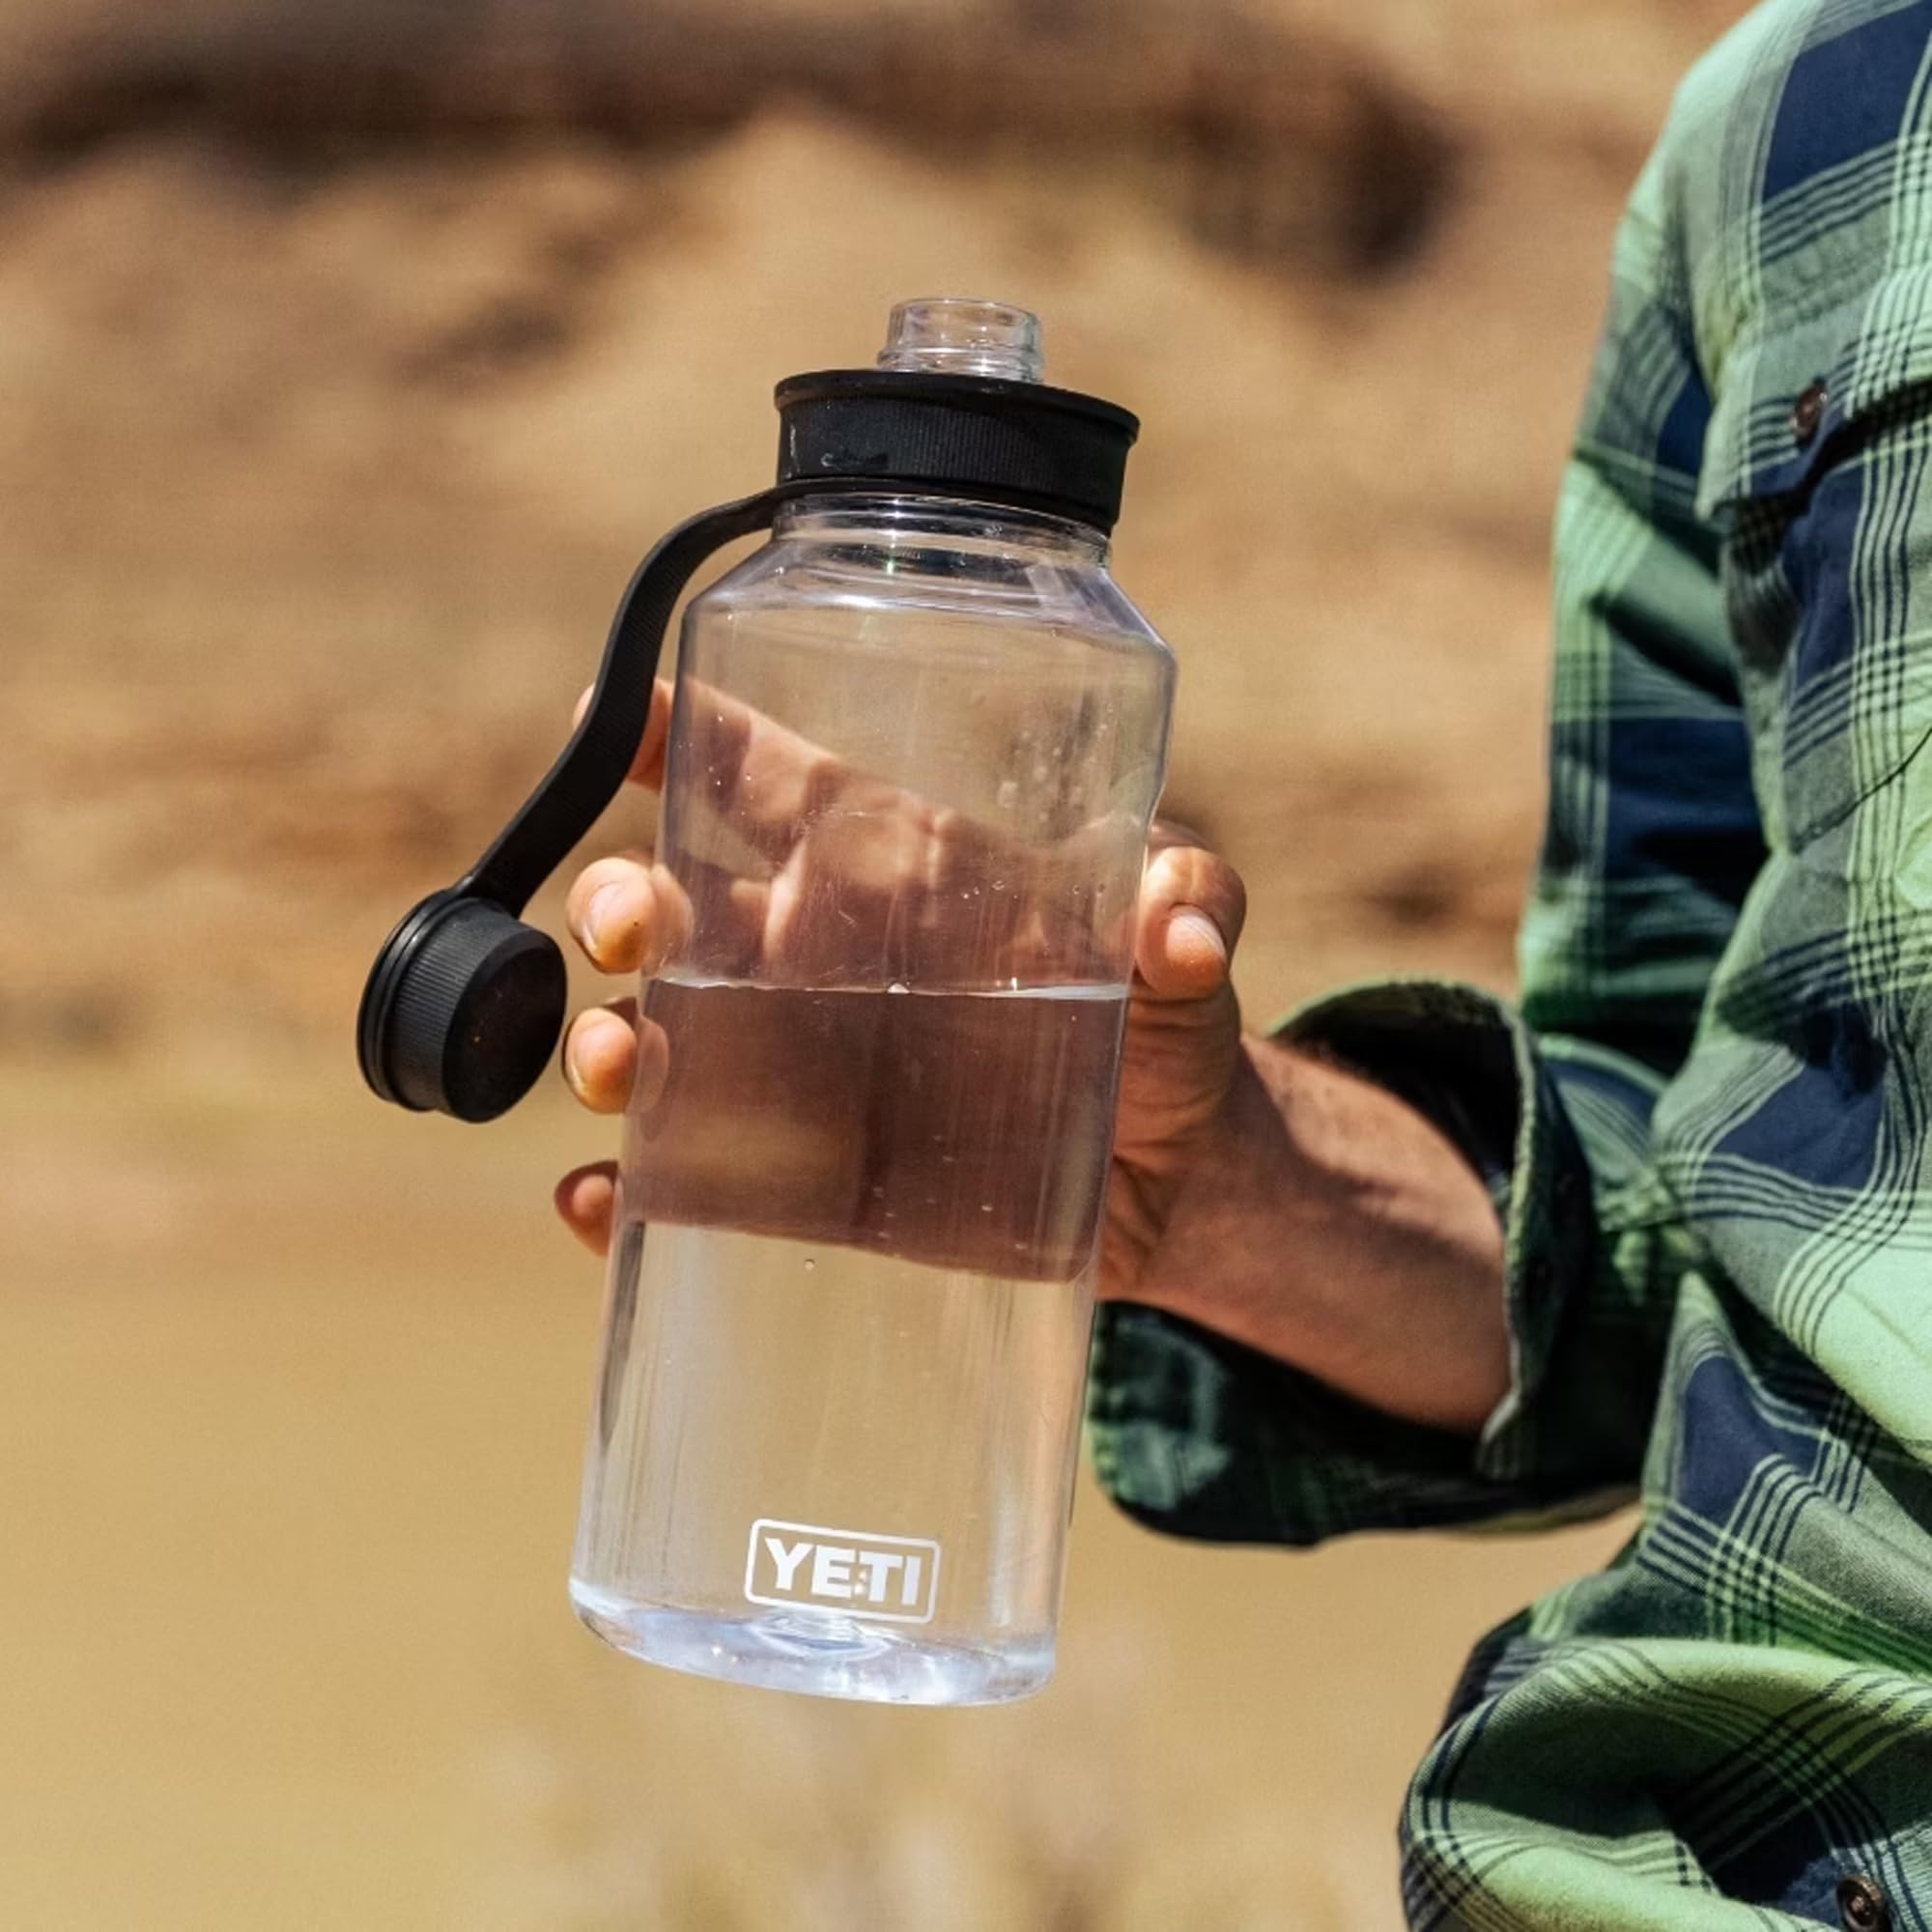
x: 1709, y: 1120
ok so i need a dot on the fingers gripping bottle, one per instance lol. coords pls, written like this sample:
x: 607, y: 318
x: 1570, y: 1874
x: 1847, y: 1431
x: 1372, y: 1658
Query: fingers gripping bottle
x: 915, y: 745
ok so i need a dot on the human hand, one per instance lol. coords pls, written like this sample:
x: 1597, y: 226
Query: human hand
x: 806, y: 1124
x: 1263, y: 1193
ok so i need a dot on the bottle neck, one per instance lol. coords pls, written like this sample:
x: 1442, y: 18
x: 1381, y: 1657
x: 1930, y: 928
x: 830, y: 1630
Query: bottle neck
x: 885, y: 518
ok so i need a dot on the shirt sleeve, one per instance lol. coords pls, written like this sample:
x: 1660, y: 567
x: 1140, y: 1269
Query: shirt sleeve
x: 1650, y: 843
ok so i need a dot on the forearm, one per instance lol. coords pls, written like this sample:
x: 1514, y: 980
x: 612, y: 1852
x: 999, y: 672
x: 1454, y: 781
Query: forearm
x: 1329, y: 1225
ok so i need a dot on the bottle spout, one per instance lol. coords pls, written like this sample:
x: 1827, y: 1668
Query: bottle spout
x: 961, y: 335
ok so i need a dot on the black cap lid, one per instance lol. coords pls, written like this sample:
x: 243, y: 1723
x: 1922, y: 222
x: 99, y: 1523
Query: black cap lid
x: 463, y: 1011
x: 1054, y: 449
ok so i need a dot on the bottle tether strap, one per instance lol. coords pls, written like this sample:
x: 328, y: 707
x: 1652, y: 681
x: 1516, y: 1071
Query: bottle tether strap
x: 465, y: 1003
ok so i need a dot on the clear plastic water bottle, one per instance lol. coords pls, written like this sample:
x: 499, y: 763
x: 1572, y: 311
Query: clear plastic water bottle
x: 916, y: 744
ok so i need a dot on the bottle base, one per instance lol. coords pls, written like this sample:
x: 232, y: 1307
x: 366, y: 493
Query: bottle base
x: 817, y: 1654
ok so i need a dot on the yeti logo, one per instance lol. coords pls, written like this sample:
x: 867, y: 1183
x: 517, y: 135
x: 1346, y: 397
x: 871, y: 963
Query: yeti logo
x: 887, y: 1579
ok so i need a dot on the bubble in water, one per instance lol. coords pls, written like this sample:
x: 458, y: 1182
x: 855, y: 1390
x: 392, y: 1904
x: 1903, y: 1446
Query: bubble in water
x: 898, y: 987
x: 809, y: 1264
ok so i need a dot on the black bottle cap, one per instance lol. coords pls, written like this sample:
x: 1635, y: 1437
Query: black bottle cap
x: 464, y: 1010
x: 1050, y: 450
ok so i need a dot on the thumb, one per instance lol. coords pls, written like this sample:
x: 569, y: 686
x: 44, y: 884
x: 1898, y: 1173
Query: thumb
x: 1192, y: 907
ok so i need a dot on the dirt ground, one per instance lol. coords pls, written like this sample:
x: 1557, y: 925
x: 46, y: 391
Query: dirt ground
x: 334, y: 408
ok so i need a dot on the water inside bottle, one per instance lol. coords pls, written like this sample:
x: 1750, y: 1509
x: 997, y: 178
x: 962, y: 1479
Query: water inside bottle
x: 853, y: 1287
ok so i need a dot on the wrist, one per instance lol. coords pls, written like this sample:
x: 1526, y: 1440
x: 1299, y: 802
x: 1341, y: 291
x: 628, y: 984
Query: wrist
x: 1329, y: 1224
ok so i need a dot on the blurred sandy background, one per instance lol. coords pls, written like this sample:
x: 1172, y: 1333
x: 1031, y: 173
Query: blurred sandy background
x: 349, y: 357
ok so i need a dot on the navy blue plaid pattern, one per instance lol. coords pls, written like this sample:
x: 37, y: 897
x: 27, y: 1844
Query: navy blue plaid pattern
x: 1707, y: 1120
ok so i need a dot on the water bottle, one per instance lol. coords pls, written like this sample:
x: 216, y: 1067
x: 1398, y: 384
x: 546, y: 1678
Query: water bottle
x: 915, y: 744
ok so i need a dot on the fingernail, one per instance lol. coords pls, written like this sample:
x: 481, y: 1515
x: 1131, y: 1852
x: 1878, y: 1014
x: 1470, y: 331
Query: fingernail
x: 586, y: 1025
x: 601, y: 912
x: 1198, y: 926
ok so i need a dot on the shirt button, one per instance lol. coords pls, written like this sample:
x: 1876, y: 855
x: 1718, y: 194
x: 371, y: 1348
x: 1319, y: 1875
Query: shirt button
x: 1808, y: 410
x: 1861, y: 1906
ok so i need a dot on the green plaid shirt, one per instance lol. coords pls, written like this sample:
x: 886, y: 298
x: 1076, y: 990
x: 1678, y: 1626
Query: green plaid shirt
x: 1709, y: 1120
